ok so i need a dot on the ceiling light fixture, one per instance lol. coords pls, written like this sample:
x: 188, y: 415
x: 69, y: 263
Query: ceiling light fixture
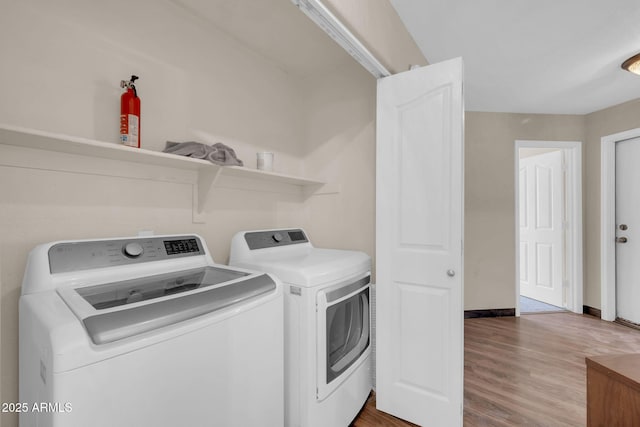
x: 632, y: 64
x: 331, y: 25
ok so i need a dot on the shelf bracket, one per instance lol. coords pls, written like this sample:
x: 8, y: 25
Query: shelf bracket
x: 323, y: 189
x: 204, y: 182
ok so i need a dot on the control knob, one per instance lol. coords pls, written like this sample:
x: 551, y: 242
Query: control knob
x: 133, y: 250
x: 277, y: 237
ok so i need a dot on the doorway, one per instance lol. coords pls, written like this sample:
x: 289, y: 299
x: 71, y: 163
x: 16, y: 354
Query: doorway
x: 611, y: 248
x: 548, y: 213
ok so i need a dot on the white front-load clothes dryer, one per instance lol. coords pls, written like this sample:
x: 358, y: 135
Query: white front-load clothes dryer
x: 327, y: 323
x: 148, y: 332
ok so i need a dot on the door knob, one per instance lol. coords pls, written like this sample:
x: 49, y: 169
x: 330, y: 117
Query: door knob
x: 621, y: 240
x: 451, y: 273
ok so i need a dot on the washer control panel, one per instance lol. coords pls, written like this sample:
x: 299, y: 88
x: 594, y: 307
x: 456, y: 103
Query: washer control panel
x: 274, y: 238
x: 76, y: 256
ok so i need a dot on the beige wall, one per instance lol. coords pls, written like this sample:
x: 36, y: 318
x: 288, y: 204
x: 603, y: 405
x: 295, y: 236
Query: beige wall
x: 490, y: 199
x: 378, y: 26
x: 196, y: 84
x: 489, y: 194
x: 340, y: 148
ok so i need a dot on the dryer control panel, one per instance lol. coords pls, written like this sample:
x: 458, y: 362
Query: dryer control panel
x: 274, y: 238
x: 85, y: 255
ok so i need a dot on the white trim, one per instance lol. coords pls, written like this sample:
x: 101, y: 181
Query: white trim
x: 608, y: 220
x: 330, y: 24
x: 573, y: 157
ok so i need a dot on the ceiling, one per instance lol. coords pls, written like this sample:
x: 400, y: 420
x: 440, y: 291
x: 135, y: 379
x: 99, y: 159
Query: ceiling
x: 524, y: 56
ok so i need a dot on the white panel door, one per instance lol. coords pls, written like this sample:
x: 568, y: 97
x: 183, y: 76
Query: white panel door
x: 419, y: 218
x: 627, y: 223
x: 541, y: 232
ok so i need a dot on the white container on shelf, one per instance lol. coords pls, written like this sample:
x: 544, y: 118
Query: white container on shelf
x: 265, y: 161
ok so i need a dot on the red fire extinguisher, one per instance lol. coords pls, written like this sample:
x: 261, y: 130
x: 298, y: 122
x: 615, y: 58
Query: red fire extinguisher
x: 130, y: 114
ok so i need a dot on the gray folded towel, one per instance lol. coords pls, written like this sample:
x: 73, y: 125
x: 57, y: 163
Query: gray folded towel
x: 217, y: 153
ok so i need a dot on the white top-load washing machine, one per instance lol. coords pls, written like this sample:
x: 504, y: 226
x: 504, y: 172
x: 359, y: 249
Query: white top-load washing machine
x: 327, y: 328
x: 148, y: 331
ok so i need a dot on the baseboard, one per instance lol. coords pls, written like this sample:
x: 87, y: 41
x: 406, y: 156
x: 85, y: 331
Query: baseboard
x: 492, y: 312
x: 627, y: 323
x: 592, y: 311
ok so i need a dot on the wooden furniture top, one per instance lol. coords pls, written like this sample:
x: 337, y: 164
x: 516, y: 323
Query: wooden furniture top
x: 623, y: 367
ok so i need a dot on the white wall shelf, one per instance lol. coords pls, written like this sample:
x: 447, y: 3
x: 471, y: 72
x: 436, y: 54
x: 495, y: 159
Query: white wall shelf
x: 110, y: 159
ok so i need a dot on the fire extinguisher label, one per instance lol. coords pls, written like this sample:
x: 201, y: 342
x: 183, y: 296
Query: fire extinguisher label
x: 129, y: 127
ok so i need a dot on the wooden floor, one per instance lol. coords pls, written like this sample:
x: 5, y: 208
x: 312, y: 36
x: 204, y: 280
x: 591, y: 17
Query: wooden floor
x: 527, y: 371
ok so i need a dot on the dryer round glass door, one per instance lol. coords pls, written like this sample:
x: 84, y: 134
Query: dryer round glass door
x: 344, y: 332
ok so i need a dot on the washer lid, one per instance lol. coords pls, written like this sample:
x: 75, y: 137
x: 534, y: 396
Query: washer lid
x: 151, y: 287
x: 309, y: 267
x: 118, y: 310
x: 117, y: 325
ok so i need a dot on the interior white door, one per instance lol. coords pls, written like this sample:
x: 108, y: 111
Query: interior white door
x: 541, y: 232
x: 627, y: 222
x: 419, y: 263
